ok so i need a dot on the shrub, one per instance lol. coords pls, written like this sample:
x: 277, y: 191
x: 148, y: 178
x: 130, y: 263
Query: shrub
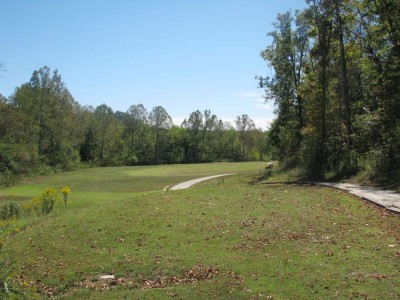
x: 10, y: 211
x: 44, y: 204
x: 8, y: 178
x: 48, y: 200
x: 66, y: 190
x: 32, y: 206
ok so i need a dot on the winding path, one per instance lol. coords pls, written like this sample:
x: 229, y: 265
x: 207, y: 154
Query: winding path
x: 190, y: 183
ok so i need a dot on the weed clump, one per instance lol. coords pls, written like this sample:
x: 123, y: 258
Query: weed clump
x: 10, y: 211
x: 66, y: 190
x: 46, y: 203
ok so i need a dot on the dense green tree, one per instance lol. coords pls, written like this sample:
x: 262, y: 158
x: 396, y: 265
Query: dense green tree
x: 160, y: 122
x: 18, y: 152
x: 287, y: 56
x: 200, y: 141
x: 109, y: 150
x: 232, y: 148
x: 89, y: 145
x: 174, y: 150
x: 43, y: 129
x: 50, y: 106
x: 136, y: 123
x: 194, y: 129
x: 380, y: 34
x: 347, y: 86
x: 244, y: 126
x: 208, y: 137
x: 260, y: 144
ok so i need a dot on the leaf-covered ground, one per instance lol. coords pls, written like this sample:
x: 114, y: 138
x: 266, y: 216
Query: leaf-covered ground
x: 223, y: 239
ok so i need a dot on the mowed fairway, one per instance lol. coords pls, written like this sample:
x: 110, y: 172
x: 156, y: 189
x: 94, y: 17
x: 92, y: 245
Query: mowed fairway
x: 223, y: 239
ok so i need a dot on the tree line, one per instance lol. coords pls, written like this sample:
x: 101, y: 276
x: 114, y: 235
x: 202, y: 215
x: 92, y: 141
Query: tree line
x: 336, y: 87
x: 43, y: 129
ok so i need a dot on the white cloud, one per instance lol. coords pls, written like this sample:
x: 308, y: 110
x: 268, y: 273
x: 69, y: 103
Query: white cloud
x: 178, y: 120
x: 264, y: 106
x: 231, y: 121
x: 262, y: 123
x: 255, y: 97
x: 248, y: 95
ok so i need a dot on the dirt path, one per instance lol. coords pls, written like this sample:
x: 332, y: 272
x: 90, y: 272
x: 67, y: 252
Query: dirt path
x: 190, y: 183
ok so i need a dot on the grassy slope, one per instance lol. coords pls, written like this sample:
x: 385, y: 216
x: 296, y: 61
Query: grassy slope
x: 119, y: 181
x: 295, y: 242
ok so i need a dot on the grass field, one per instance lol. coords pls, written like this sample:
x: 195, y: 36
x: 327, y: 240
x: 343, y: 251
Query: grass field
x: 122, y: 180
x: 227, y: 238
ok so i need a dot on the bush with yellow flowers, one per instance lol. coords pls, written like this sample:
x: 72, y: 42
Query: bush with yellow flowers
x: 66, y: 190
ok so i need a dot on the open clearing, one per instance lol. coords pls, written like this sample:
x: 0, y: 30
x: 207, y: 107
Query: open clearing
x: 226, y: 238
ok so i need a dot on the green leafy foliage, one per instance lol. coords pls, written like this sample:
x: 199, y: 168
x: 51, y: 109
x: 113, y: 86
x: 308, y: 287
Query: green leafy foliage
x: 335, y: 85
x: 43, y: 130
x: 48, y: 201
x: 65, y: 191
x: 10, y: 211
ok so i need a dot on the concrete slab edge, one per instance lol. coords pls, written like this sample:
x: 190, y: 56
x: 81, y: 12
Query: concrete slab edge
x: 365, y: 198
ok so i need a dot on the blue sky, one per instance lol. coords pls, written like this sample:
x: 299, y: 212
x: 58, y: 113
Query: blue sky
x: 182, y: 55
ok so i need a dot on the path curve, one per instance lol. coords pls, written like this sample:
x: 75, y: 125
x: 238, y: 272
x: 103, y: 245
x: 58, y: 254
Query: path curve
x: 190, y: 183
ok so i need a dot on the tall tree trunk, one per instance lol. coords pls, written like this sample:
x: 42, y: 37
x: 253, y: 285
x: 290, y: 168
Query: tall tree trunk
x: 324, y: 102
x: 41, y: 123
x: 131, y: 148
x: 324, y: 28
x: 156, y: 148
x: 344, y: 80
x: 296, y: 80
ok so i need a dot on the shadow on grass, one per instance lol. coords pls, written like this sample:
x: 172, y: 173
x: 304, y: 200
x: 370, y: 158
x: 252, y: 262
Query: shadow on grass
x: 279, y: 176
x: 390, y: 180
x: 13, y: 198
x: 291, y: 177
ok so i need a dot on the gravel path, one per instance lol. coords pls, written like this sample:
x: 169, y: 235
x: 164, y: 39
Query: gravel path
x: 190, y: 183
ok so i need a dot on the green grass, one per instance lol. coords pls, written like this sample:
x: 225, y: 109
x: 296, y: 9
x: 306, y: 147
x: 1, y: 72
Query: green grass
x: 223, y: 239
x: 122, y: 180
